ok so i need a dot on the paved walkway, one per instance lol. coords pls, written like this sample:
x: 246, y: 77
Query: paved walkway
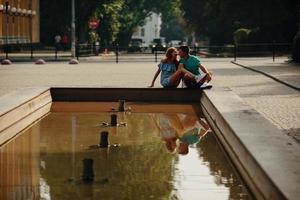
x: 273, y: 89
x: 267, y: 88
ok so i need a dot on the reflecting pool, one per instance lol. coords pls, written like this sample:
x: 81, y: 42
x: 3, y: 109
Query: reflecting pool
x: 161, y: 152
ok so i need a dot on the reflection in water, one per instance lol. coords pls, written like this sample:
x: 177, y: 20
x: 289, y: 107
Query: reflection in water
x: 141, y: 167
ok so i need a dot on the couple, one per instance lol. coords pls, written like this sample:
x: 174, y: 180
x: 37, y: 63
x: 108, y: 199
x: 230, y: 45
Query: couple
x: 179, y: 131
x: 186, y: 69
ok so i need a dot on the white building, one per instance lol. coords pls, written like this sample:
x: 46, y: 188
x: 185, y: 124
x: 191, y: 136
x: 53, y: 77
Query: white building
x: 150, y: 30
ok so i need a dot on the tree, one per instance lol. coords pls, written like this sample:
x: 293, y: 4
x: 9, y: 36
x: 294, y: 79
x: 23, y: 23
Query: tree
x: 109, y: 20
x: 118, y: 18
x: 219, y: 19
x: 172, y: 22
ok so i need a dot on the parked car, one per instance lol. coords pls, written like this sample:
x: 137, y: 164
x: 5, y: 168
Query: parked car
x: 158, y: 44
x: 135, y: 45
x: 175, y: 43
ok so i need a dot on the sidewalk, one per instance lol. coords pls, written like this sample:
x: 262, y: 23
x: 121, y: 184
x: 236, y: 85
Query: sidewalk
x: 270, y: 88
x: 282, y: 71
x: 276, y: 101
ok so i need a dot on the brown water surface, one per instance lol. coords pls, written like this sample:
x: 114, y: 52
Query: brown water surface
x: 163, y: 152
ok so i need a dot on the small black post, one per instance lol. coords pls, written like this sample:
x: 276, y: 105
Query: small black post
x: 103, y: 139
x: 235, y: 51
x: 56, y: 47
x: 31, y: 50
x: 6, y: 45
x: 88, y: 171
x: 155, y: 50
x: 76, y: 51
x: 121, y: 105
x: 273, y: 50
x: 117, y: 53
x: 113, y: 120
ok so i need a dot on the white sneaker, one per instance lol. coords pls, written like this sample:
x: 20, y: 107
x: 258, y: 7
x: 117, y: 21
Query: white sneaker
x: 206, y: 86
x: 200, y: 77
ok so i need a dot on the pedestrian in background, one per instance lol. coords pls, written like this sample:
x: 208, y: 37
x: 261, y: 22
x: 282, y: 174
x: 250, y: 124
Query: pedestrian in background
x: 57, y: 41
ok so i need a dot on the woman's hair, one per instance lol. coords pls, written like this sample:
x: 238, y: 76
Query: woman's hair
x: 169, y: 56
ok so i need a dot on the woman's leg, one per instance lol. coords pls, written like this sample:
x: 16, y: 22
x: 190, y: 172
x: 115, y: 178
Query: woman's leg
x: 176, y: 78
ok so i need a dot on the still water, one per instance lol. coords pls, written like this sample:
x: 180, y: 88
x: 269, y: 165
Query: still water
x: 157, y: 155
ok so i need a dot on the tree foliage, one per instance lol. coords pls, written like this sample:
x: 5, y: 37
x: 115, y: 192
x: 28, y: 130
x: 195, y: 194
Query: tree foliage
x: 118, y: 18
x: 296, y: 48
x: 219, y: 19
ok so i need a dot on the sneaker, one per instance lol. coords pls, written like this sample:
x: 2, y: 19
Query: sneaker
x: 200, y: 77
x: 206, y: 86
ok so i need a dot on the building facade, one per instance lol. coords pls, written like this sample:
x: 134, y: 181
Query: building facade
x: 150, y: 30
x: 19, y: 21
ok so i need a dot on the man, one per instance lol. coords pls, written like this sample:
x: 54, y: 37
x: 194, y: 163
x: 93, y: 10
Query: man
x: 193, y: 64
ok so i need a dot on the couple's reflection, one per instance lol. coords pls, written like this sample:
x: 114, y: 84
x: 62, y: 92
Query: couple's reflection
x: 180, y: 131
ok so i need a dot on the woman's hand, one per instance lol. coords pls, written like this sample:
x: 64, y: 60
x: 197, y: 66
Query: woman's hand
x: 150, y: 86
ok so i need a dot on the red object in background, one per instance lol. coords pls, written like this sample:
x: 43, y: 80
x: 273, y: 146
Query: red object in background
x: 93, y: 23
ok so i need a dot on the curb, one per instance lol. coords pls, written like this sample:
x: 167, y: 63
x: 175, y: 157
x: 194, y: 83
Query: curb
x: 268, y: 75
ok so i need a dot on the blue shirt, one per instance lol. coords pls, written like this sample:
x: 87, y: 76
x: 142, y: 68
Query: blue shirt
x: 167, y: 69
x: 191, y: 64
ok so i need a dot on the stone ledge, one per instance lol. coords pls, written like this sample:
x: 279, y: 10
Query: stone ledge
x: 20, y: 109
x: 267, y: 159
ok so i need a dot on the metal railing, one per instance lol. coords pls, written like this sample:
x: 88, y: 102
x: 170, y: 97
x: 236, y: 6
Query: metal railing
x: 116, y: 53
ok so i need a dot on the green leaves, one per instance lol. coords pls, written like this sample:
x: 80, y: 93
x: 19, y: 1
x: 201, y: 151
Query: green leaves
x: 219, y: 19
x: 118, y: 18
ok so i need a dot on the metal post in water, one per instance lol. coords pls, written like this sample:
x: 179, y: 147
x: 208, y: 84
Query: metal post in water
x: 88, y: 170
x: 113, y: 120
x: 121, y: 105
x: 103, y: 139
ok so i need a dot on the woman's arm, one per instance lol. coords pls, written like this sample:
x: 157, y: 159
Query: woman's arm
x: 154, y: 78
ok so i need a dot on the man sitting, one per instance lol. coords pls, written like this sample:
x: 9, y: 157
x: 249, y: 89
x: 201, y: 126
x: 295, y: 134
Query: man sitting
x: 192, y: 64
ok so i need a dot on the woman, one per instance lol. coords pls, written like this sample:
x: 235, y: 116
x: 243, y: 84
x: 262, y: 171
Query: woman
x: 171, y: 75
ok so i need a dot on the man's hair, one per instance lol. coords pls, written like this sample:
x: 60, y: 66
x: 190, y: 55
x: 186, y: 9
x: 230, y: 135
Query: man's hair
x: 185, y: 49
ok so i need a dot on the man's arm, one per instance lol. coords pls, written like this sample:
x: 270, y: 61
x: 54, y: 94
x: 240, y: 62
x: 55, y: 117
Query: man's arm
x: 209, y: 75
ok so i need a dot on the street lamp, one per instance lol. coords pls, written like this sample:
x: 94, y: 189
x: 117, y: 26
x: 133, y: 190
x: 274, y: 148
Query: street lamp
x: 6, y: 61
x: 73, y: 36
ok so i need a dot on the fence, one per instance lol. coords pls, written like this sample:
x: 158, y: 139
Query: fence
x: 116, y: 53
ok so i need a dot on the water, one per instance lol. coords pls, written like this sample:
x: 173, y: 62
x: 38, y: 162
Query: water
x: 149, y: 158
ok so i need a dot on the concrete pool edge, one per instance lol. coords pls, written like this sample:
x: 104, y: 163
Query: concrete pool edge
x: 21, y: 108
x: 267, y: 159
